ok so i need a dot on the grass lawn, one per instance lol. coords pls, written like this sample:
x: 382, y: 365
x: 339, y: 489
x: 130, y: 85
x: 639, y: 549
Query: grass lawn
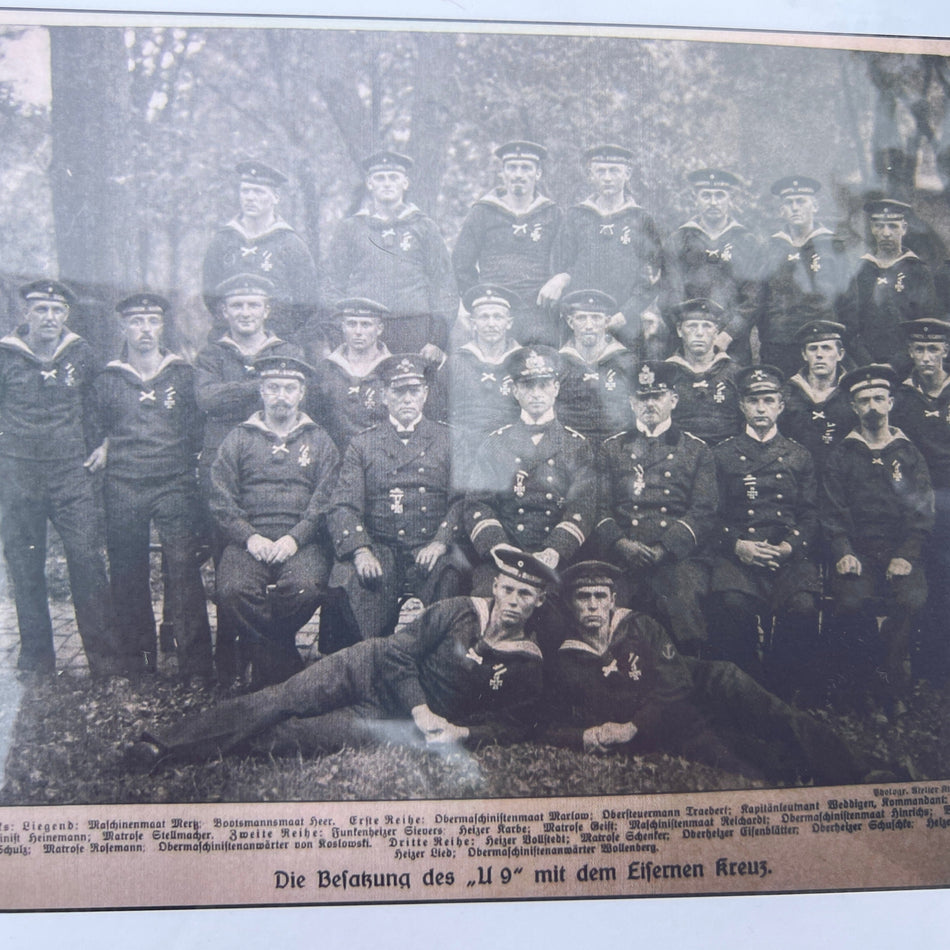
x: 69, y: 732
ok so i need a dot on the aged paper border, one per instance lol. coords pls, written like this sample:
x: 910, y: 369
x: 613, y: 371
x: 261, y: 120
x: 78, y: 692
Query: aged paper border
x: 908, y: 860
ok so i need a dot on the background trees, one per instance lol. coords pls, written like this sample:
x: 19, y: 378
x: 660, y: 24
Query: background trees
x: 117, y: 175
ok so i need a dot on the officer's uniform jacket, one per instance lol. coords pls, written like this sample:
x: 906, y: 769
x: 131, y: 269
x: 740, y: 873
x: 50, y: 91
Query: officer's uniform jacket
x: 498, y: 246
x: 659, y: 490
x: 877, y: 501
x: 443, y: 660
x: 722, y: 268
x: 926, y: 422
x: 638, y: 677
x: 618, y: 253
x: 798, y: 283
x: 767, y: 492
x: 153, y: 425
x: 402, y: 263
x: 227, y: 387
x: 395, y: 494
x: 263, y: 483
x: 348, y: 403
x: 480, y: 400
x: 531, y: 495
x: 817, y: 424
x: 879, y: 299
x: 708, y: 403
x: 46, y: 405
x: 594, y: 397
x: 279, y: 255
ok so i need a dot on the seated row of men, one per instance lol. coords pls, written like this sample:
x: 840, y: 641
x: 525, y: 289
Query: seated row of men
x: 412, y: 511
x: 515, y: 236
x: 469, y: 672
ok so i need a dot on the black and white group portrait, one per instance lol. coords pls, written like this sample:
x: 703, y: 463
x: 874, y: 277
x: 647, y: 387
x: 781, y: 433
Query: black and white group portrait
x: 427, y: 414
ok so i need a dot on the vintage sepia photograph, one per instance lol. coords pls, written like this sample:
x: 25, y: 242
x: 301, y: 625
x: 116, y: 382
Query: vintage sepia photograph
x: 530, y: 440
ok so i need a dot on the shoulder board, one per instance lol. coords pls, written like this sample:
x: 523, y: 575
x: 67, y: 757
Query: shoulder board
x: 502, y: 429
x: 618, y: 435
x: 695, y: 438
x: 575, y: 433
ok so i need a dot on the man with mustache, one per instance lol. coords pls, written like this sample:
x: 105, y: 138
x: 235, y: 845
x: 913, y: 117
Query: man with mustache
x: 466, y: 672
x: 151, y: 434
x: 763, y: 573
x: 270, y: 487
x: 46, y: 376
x: 878, y: 511
x: 507, y: 239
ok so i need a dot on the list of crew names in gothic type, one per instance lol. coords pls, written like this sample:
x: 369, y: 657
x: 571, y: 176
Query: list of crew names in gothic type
x: 309, y: 853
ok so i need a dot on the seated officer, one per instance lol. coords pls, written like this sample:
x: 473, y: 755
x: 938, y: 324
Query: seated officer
x: 270, y: 487
x: 46, y: 375
x: 657, y: 506
x: 818, y: 411
x: 595, y: 369
x: 533, y: 483
x: 466, y: 672
x: 878, y: 511
x: 767, y: 530
x: 394, y: 513
x: 147, y: 415
x: 708, y: 401
x: 618, y: 684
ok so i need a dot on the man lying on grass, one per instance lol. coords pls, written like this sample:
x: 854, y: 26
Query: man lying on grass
x: 618, y: 684
x: 465, y: 672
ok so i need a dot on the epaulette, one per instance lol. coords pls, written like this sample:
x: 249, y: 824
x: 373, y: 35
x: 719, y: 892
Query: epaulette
x: 502, y: 429
x: 618, y: 435
x: 575, y: 433
x: 695, y: 438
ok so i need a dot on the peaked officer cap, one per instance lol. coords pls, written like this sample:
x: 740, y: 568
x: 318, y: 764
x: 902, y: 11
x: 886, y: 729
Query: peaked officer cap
x: 403, y: 369
x: 513, y: 562
x: 654, y: 376
x: 533, y: 362
x: 699, y: 307
x: 591, y: 301
x: 590, y: 574
x: 760, y: 378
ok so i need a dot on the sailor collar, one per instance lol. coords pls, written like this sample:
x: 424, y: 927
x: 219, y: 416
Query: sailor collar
x: 407, y: 210
x: 230, y: 343
x: 472, y: 347
x: 340, y: 360
x: 612, y: 347
x: 168, y: 359
x: 279, y: 225
x: 256, y: 421
x: 694, y: 224
x: 584, y: 647
x: 813, y: 396
x: 907, y: 255
x: 894, y: 433
x: 13, y: 341
x: 540, y: 201
x: 680, y: 360
x: 483, y: 607
x: 816, y: 232
x: 590, y: 205
x: 911, y: 383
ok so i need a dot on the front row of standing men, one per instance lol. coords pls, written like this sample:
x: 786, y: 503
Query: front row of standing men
x: 716, y: 541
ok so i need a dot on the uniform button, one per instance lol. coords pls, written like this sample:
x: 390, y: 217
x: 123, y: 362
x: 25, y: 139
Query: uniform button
x: 633, y: 457
x: 781, y: 459
x: 779, y: 497
x: 422, y: 489
x: 521, y: 511
x: 779, y: 475
x: 359, y: 527
x: 634, y: 521
x: 421, y: 471
x: 666, y: 474
x: 662, y: 524
x: 549, y: 496
x: 666, y: 491
x: 751, y: 530
x: 547, y: 529
x: 550, y: 478
x: 742, y: 458
x: 548, y: 513
x: 670, y: 455
x: 636, y: 507
x: 477, y: 514
x: 423, y: 508
x: 401, y: 532
x: 346, y: 534
x: 662, y: 511
x: 520, y: 527
x: 550, y: 461
x: 796, y: 533
x: 518, y: 460
x: 751, y: 511
x: 778, y: 513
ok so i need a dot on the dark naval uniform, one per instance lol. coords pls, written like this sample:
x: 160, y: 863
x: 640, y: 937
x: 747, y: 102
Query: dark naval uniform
x: 272, y: 485
x: 723, y: 268
x: 683, y: 706
x: 879, y: 299
x: 595, y: 397
x: 480, y: 402
x: 404, y: 264
x: 365, y: 693
x: 926, y: 422
x: 798, y: 284
x: 394, y: 497
x: 767, y: 492
x: 620, y: 254
x: 708, y: 404
x: 278, y: 255
x: 45, y: 435
x: 818, y: 424
x: 346, y: 402
x: 154, y: 432
x: 661, y: 491
x: 498, y: 246
x: 532, y: 494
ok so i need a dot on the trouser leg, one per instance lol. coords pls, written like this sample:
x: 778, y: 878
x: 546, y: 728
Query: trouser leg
x: 128, y: 509
x: 345, y: 679
x: 679, y: 589
x: 793, y: 654
x: 734, y: 630
x: 175, y: 512
x: 373, y: 605
x: 25, y: 508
